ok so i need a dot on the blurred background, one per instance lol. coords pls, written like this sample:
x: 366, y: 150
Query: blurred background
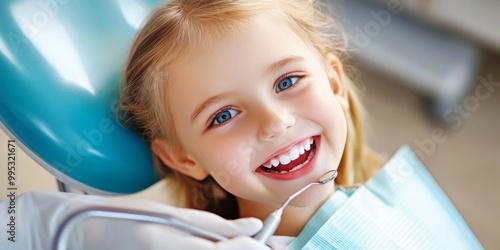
x: 430, y: 75
x: 430, y: 71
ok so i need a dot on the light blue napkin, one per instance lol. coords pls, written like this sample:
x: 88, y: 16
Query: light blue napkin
x: 402, y: 207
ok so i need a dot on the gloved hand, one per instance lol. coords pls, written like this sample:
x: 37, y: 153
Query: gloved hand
x: 39, y: 214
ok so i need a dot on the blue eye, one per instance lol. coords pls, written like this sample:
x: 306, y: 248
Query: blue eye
x: 286, y: 83
x: 224, y: 116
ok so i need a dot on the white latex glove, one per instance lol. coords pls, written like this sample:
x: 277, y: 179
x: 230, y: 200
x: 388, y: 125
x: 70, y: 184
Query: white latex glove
x: 39, y: 213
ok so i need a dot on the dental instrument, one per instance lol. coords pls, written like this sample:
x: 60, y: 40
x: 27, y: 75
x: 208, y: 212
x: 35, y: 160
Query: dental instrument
x: 62, y: 235
x: 270, y: 223
x: 273, y: 220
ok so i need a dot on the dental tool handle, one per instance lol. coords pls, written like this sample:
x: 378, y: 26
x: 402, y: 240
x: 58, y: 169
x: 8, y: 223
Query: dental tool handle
x: 270, y: 225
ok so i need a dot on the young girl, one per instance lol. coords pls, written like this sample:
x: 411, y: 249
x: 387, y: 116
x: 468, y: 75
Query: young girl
x: 244, y: 102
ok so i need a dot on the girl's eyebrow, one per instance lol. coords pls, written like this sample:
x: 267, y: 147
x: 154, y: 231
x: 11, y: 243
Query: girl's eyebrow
x: 208, y: 102
x: 281, y: 63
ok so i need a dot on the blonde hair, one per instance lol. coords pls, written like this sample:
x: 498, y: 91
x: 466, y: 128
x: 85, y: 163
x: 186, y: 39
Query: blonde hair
x: 177, y: 27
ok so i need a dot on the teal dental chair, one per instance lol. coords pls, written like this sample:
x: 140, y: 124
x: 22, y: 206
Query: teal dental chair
x: 61, y: 62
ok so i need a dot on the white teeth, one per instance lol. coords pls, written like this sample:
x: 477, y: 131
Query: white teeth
x: 294, y: 154
x: 301, y: 150
x: 311, y: 155
x: 307, y: 144
x: 284, y: 159
x: 304, y: 163
x: 275, y: 162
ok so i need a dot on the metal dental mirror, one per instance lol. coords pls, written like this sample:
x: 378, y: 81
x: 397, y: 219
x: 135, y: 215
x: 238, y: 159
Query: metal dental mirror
x: 273, y: 220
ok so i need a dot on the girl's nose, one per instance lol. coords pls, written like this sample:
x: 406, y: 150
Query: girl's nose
x: 274, y: 124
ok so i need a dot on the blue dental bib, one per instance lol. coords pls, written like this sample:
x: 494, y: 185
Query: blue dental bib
x: 402, y: 207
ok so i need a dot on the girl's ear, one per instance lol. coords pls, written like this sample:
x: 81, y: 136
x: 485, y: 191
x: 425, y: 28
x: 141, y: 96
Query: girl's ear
x: 335, y: 72
x: 177, y: 159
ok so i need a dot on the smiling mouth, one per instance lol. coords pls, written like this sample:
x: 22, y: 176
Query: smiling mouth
x: 293, y: 160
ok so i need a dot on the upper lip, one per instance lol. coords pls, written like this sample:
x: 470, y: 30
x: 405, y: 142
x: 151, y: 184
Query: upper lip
x: 285, y: 149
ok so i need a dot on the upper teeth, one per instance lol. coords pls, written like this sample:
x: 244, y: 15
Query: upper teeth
x: 291, y: 155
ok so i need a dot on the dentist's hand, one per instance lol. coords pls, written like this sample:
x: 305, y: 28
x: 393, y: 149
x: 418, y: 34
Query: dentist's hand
x: 39, y: 214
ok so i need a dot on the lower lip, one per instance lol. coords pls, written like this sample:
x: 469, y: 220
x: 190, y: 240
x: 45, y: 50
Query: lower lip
x: 297, y: 173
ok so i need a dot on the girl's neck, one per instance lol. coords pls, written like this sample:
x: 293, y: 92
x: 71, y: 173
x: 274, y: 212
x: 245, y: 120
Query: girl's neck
x: 293, y: 220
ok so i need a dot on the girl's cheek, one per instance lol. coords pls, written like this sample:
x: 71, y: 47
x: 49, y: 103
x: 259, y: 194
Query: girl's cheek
x: 227, y: 164
x: 225, y: 153
x: 323, y: 108
x: 319, y: 101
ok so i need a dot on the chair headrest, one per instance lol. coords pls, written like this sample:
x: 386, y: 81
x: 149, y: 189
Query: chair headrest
x: 61, y: 63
